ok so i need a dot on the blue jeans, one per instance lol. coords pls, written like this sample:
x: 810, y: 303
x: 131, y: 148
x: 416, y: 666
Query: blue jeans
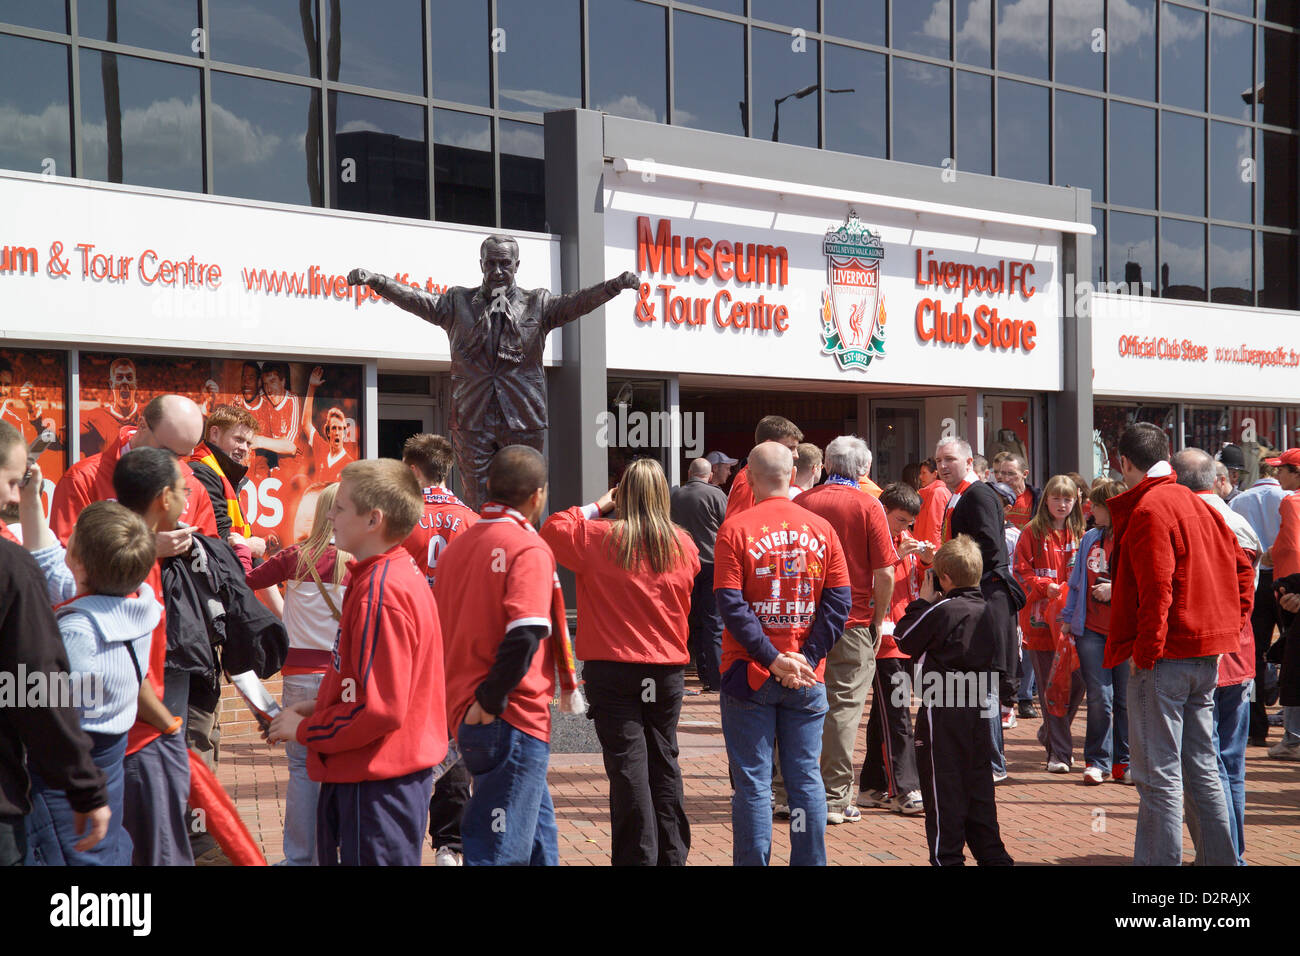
x: 303, y: 792
x: 509, y: 820
x: 51, y: 825
x: 1171, y: 721
x: 1232, y: 728
x: 1028, y: 686
x: 791, y: 720
x: 995, y: 731
x: 1291, y: 725
x: 1106, y: 740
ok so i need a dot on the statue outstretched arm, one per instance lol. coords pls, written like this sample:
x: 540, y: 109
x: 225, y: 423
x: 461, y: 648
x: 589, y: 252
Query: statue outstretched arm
x: 430, y: 306
x: 562, y: 309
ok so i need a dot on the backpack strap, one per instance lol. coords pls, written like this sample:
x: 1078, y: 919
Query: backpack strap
x: 320, y: 586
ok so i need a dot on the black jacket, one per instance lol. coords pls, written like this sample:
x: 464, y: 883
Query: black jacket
x: 49, y: 738
x: 949, y: 633
x: 210, y: 605
x: 979, y: 513
x: 1286, y: 651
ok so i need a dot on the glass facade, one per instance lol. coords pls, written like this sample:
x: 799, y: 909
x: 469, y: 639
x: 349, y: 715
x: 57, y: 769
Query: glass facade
x: 1197, y: 103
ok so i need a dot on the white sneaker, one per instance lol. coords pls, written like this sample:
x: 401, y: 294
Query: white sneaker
x: 1057, y: 766
x: 1008, y: 718
x: 999, y: 777
x: 446, y: 856
x: 849, y: 814
x: 908, y: 804
x: 1285, y: 750
x: 1093, y: 776
x: 873, y: 798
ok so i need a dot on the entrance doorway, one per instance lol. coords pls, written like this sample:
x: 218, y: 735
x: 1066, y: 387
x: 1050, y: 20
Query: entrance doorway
x: 895, y: 438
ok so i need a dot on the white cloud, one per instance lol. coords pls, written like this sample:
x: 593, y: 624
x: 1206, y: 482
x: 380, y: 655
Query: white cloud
x: 542, y: 99
x: 464, y: 139
x: 1023, y: 25
x: 164, y: 133
x: 34, y: 132
x: 521, y: 140
x: 1129, y: 25
x: 359, y: 126
x: 975, y: 31
x: 237, y: 141
x: 631, y: 107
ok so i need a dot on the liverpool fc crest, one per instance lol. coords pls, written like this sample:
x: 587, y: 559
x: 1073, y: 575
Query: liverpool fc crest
x: 853, y: 310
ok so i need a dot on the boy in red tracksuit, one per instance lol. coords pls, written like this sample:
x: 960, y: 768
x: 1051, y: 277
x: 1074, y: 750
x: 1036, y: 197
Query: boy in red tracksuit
x: 378, y: 727
x: 445, y: 519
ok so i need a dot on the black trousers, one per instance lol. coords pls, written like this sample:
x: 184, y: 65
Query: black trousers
x: 1000, y: 617
x: 13, y: 840
x: 635, y: 708
x: 1263, y: 619
x: 447, y: 806
x: 953, y: 755
x: 890, y: 764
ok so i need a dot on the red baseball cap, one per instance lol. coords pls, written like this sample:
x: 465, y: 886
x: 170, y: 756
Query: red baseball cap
x: 1289, y: 457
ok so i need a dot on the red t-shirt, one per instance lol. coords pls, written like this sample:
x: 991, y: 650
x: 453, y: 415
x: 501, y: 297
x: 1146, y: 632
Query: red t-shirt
x: 741, y: 496
x: 142, y: 734
x: 1022, y: 512
x: 859, y: 521
x: 779, y: 555
x: 381, y: 711
x: 91, y: 479
x: 1096, y: 614
x: 494, y: 577
x: 327, y: 465
x: 101, y: 425
x: 445, y: 517
x: 929, y: 521
x: 637, y: 617
x: 1039, y: 563
x: 907, y: 588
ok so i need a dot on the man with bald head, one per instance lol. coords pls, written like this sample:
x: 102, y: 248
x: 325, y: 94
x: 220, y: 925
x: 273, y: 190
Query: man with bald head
x: 782, y: 586
x: 699, y: 507
x: 497, y: 332
x: 171, y: 422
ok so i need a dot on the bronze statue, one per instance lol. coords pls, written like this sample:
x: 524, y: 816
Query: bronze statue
x: 497, y: 333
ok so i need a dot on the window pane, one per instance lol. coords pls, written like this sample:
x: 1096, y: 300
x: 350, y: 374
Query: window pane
x: 382, y: 44
x: 1229, y: 179
x: 922, y: 26
x: 1278, y: 55
x: 1099, y: 245
x: 523, y: 177
x: 462, y: 168
x: 1022, y: 132
x: 1131, y: 48
x: 1231, y: 48
x: 542, y: 68
x: 790, y: 13
x: 627, y: 60
x: 459, y: 39
x: 1275, y: 276
x: 855, y: 122
x: 1182, y: 166
x: 1132, y: 249
x: 1230, y: 266
x: 785, y: 73
x: 34, y: 121
x: 861, y: 20
x: 1182, y: 259
x: 157, y: 24
x: 265, y: 140
x: 974, y: 29
x: 1077, y: 62
x: 389, y: 170
x: 1080, y: 142
x: 974, y: 123
x: 709, y: 68
x: 1245, y: 7
x: 1280, y: 11
x: 273, y: 34
x: 140, y: 122
x: 1111, y: 420
x: 1275, y: 177
x: 1205, y: 427
x: 921, y: 109
x: 726, y: 6
x: 1132, y: 153
x: 1022, y: 37
x: 41, y: 16
x: 1182, y: 57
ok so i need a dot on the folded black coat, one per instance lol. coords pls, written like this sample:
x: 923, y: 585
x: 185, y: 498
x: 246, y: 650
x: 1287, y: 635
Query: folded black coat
x: 209, y: 605
x: 1286, y: 651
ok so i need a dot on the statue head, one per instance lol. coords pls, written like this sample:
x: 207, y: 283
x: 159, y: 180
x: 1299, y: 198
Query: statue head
x: 498, y: 258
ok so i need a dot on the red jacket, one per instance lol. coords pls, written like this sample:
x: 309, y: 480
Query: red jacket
x: 1182, y: 585
x: 381, y: 710
x: 741, y: 496
x: 91, y: 479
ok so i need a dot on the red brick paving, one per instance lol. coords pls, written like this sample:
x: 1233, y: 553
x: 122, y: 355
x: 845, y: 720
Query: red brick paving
x: 1045, y: 819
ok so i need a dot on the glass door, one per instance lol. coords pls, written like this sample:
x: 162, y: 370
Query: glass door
x: 895, y: 439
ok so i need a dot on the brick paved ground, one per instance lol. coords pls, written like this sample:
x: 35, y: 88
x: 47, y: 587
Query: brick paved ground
x: 1044, y: 818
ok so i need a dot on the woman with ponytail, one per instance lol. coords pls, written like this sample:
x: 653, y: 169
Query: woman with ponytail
x: 635, y: 574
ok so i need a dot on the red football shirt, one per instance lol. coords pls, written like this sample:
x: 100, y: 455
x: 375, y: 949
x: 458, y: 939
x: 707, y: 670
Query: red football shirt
x: 907, y: 588
x: 445, y: 517
x: 141, y: 734
x: 494, y: 577
x: 327, y: 465
x: 859, y: 521
x: 1096, y: 614
x: 637, y: 617
x: 741, y: 496
x: 1022, y: 512
x: 101, y: 425
x: 779, y: 555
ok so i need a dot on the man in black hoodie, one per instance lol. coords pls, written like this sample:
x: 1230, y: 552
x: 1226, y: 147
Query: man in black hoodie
x: 31, y: 727
x: 946, y: 630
